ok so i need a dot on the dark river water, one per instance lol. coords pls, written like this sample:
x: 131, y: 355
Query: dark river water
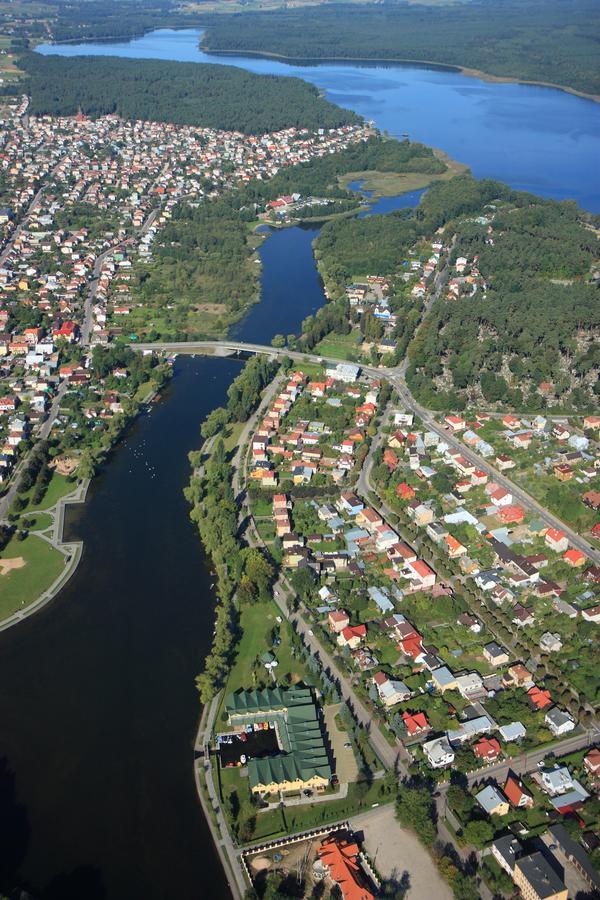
x: 97, y: 699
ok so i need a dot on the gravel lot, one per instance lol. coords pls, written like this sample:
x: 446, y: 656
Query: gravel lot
x: 397, y: 851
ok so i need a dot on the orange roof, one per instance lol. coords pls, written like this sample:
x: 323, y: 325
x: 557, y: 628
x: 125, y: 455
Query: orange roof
x: 539, y: 698
x: 574, y: 557
x: 340, y: 858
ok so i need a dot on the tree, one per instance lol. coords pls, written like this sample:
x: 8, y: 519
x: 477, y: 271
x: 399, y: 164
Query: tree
x: 87, y: 465
x: 278, y: 340
x: 478, y: 832
x: 415, y: 809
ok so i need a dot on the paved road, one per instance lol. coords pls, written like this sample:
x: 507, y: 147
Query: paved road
x: 528, y: 762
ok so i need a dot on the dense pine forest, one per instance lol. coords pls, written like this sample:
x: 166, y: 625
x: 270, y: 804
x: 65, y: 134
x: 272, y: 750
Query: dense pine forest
x: 537, y: 318
x: 541, y: 40
x: 183, y: 93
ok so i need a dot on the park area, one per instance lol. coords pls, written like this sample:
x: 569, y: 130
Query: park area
x: 27, y: 568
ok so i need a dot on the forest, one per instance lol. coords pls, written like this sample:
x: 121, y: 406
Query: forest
x: 537, y: 320
x: 183, y: 93
x: 541, y: 40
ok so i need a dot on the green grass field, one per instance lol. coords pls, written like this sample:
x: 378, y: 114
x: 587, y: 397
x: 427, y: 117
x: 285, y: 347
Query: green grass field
x: 339, y: 346
x: 57, y: 488
x: 20, y: 587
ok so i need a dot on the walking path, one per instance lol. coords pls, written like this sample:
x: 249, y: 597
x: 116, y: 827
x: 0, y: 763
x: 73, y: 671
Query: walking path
x: 71, y: 550
x: 226, y: 849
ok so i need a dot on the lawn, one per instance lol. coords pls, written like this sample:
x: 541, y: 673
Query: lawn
x: 256, y: 623
x: 58, y: 486
x: 339, y: 346
x: 20, y: 587
x: 38, y: 522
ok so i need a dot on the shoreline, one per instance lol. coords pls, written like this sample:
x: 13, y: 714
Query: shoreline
x: 72, y: 549
x: 423, y: 63
x: 470, y: 72
x: 75, y: 548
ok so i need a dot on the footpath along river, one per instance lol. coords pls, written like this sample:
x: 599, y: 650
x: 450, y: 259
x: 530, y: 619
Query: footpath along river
x: 97, y: 701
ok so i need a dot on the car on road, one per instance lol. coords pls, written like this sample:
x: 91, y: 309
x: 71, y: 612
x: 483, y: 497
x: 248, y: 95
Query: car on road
x: 347, y: 745
x: 311, y: 632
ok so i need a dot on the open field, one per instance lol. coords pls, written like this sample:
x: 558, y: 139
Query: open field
x: 22, y: 585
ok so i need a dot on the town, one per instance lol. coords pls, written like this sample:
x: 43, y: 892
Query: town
x: 423, y: 593
x: 84, y: 204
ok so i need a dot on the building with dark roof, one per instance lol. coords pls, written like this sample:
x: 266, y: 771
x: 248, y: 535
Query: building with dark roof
x: 537, y: 880
x: 303, y: 762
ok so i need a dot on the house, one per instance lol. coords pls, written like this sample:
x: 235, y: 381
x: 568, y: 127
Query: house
x: 350, y: 504
x: 341, y: 858
x: 556, y: 540
x: 558, y: 721
x: 506, y: 851
x: 575, y: 558
x: 415, y: 723
x: 351, y: 636
x: 469, y: 729
x: 495, y: 654
x: 338, y: 620
x: 514, y: 731
x: 516, y: 792
x: 404, y: 491
x: 420, y: 573
x: 518, y: 675
x: 592, y: 614
x: 487, y: 749
x: 469, y: 622
x: 556, y: 781
x: 390, y: 691
x: 443, y: 679
x: 592, y: 761
x: 550, y: 642
x: 492, y: 801
x: 455, y: 423
x: 538, y: 698
x: 537, y: 880
x: 438, y: 752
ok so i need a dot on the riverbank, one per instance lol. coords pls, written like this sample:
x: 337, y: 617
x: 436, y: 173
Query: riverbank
x: 52, y: 533
x: 401, y: 61
x: 391, y: 184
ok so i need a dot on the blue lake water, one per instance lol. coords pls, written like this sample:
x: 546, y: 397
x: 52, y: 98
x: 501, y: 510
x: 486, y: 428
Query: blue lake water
x: 534, y: 138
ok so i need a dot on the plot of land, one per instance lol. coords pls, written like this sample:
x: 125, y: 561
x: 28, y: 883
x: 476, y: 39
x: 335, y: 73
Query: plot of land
x: 345, y: 761
x: 29, y: 568
x: 398, y: 851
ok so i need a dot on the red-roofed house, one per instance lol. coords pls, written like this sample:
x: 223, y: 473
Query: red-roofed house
x: 538, y: 698
x: 556, y: 540
x: 405, y: 491
x: 415, y: 723
x: 517, y: 793
x: 340, y: 856
x: 487, y: 749
x: 338, y: 620
x: 351, y: 636
x: 575, y: 558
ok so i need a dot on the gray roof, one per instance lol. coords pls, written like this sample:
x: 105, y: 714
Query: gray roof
x: 540, y: 875
x: 574, y: 852
x: 509, y: 848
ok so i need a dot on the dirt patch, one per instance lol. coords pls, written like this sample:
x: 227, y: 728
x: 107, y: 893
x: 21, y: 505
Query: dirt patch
x: 65, y: 465
x: 7, y: 565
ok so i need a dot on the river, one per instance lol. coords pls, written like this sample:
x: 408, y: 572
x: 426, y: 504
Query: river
x: 97, y: 701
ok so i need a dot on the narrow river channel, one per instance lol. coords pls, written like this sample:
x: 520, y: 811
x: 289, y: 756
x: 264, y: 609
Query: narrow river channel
x: 97, y: 698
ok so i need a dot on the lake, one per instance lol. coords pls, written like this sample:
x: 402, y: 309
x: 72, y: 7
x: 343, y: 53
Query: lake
x: 534, y: 138
x: 98, y: 705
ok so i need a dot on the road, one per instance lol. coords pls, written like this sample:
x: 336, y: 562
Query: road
x: 396, y: 378
x: 528, y: 762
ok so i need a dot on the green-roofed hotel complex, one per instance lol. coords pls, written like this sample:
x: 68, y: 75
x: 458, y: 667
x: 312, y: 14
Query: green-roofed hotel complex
x: 302, y: 761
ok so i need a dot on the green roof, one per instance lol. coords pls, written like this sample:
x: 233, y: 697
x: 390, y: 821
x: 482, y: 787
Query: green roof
x: 304, y: 754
